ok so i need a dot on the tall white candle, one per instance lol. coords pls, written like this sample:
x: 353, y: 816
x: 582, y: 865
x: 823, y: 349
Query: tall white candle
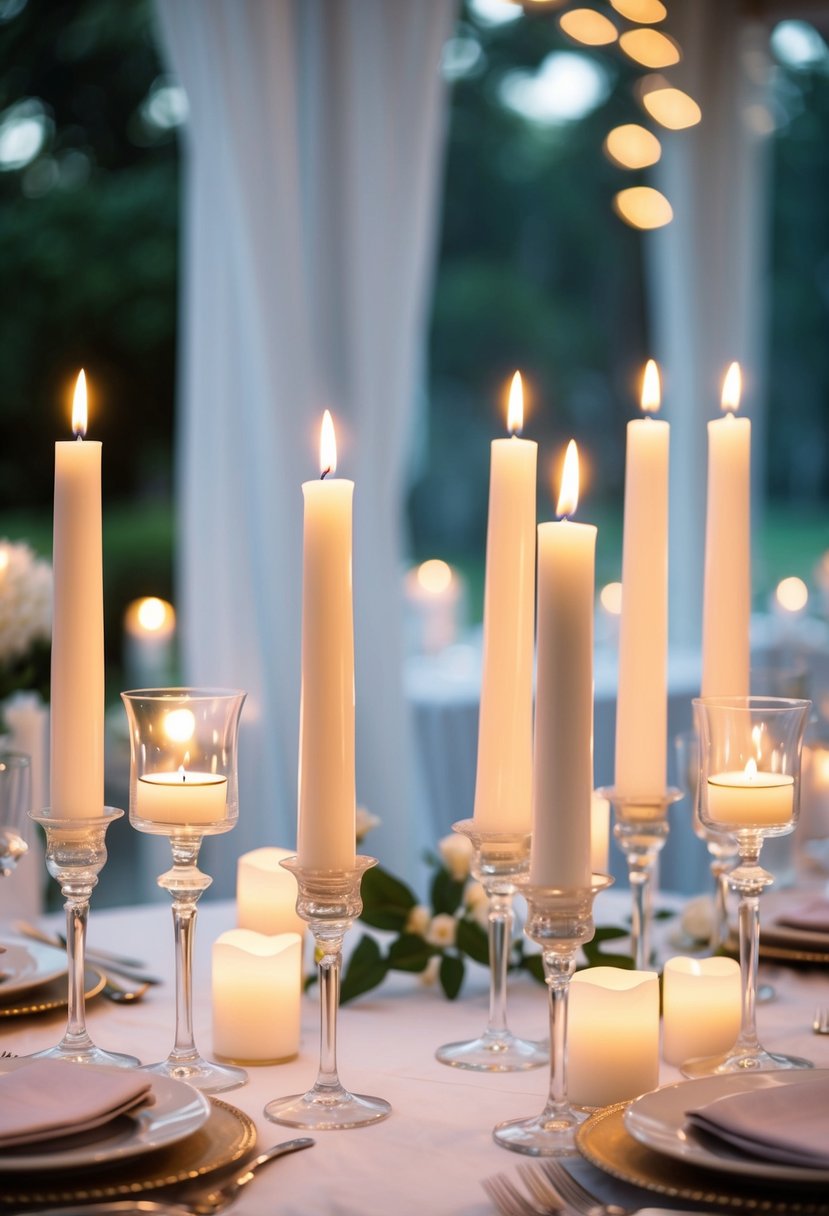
x: 77, y: 691
x: 563, y: 752
x: 642, y: 715
x: 327, y: 798
x: 503, y: 788
x: 727, y: 592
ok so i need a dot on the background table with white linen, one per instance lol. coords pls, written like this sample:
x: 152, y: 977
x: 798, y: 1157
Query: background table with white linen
x: 430, y: 1156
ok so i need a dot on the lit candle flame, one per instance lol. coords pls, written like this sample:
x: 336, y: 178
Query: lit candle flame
x: 180, y: 725
x: 732, y: 388
x: 751, y: 770
x: 568, y: 498
x: 79, y: 406
x: 515, y: 412
x: 328, y: 445
x: 651, y: 398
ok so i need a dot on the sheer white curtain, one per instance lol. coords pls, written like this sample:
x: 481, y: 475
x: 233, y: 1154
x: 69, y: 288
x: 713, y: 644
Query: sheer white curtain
x: 313, y: 152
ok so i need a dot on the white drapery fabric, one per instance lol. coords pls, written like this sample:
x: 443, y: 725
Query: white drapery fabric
x: 708, y: 267
x: 313, y: 152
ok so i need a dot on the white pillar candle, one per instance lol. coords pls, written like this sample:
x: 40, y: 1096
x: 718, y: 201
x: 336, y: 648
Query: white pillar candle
x: 750, y: 798
x: 642, y: 708
x: 613, y: 1035
x: 503, y: 787
x: 183, y: 798
x: 266, y: 893
x: 700, y: 1007
x: 563, y: 753
x: 77, y: 687
x: 727, y: 591
x: 149, y: 636
x: 599, y: 834
x: 257, y: 983
x: 327, y: 799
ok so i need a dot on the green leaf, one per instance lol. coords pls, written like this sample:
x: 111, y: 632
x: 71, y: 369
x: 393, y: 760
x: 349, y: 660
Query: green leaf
x: 451, y: 975
x: 366, y: 969
x: 387, y: 902
x: 472, y: 940
x: 446, y: 894
x: 410, y: 952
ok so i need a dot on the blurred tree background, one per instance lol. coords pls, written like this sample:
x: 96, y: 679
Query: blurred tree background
x: 534, y: 271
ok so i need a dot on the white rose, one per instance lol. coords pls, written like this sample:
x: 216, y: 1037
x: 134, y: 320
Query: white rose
x: 442, y: 930
x: 456, y: 853
x: 419, y: 920
x: 365, y: 821
x: 698, y: 918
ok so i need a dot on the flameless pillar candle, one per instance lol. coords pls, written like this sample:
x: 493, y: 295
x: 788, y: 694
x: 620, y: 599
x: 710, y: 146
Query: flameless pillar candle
x: 750, y: 798
x: 77, y: 687
x: 642, y: 715
x: 727, y: 593
x: 266, y: 893
x: 563, y: 753
x: 599, y: 833
x: 701, y: 1007
x: 257, y: 981
x: 327, y: 798
x: 503, y: 787
x: 613, y: 1035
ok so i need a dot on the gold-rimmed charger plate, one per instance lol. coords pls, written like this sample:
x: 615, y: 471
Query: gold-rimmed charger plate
x: 54, y: 995
x: 227, y: 1136
x: 605, y: 1142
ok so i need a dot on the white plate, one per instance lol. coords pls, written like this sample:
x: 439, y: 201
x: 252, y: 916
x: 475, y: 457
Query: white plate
x: 177, y: 1111
x: 658, y: 1121
x: 28, y: 965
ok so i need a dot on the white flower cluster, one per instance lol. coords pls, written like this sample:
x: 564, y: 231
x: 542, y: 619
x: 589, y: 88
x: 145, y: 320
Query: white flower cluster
x: 25, y: 600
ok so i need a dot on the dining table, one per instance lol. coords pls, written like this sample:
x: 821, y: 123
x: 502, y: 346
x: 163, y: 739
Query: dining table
x: 432, y: 1154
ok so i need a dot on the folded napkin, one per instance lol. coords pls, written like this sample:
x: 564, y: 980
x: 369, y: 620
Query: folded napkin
x: 46, y: 1099
x: 788, y: 1123
x: 812, y: 914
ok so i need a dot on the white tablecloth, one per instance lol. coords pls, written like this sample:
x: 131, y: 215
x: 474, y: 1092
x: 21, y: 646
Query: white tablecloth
x: 428, y: 1158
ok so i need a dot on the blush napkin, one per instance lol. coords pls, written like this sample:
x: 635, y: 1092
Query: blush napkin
x: 46, y: 1099
x: 787, y: 1123
x: 812, y: 915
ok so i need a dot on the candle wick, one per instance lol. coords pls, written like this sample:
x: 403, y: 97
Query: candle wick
x: 325, y: 473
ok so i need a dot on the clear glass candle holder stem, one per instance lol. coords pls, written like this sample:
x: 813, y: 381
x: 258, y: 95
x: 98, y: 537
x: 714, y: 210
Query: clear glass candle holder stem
x: 75, y: 855
x: 559, y: 920
x: 329, y: 900
x: 641, y: 829
x: 499, y: 860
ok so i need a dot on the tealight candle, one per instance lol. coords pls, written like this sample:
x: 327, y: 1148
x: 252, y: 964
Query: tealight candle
x: 266, y: 893
x: 184, y: 797
x: 750, y: 798
x: 257, y: 981
x: 701, y: 1007
x: 613, y: 1035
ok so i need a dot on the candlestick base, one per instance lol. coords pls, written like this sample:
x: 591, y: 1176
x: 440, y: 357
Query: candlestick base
x: 500, y: 859
x: 75, y: 855
x: 329, y: 900
x: 559, y: 920
x: 641, y: 829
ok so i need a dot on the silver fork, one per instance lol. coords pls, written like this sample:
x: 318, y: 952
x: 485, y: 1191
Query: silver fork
x: 578, y: 1197
x: 508, y: 1199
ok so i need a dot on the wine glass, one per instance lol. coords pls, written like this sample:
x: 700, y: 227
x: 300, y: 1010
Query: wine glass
x: 15, y: 801
x: 183, y: 785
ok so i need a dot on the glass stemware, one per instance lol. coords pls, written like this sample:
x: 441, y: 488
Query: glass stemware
x: 749, y: 787
x: 15, y: 801
x: 184, y: 785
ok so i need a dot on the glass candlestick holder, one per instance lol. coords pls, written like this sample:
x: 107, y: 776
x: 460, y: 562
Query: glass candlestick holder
x: 184, y: 785
x: 749, y: 787
x: 499, y: 860
x: 75, y: 855
x: 559, y: 919
x: 640, y: 829
x: 329, y: 900
x: 15, y: 802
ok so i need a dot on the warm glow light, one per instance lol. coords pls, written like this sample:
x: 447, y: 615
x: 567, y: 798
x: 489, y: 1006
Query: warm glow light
x: 792, y: 594
x: 751, y: 769
x: 650, y: 48
x: 515, y: 411
x: 610, y: 598
x: 328, y: 445
x: 671, y: 108
x: 588, y: 27
x: 180, y: 725
x: 152, y: 613
x: 643, y: 207
x: 4, y: 558
x: 568, y: 498
x: 732, y: 387
x: 79, y: 407
x: 434, y: 576
x: 651, y: 397
x: 632, y: 146
x: 644, y: 12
